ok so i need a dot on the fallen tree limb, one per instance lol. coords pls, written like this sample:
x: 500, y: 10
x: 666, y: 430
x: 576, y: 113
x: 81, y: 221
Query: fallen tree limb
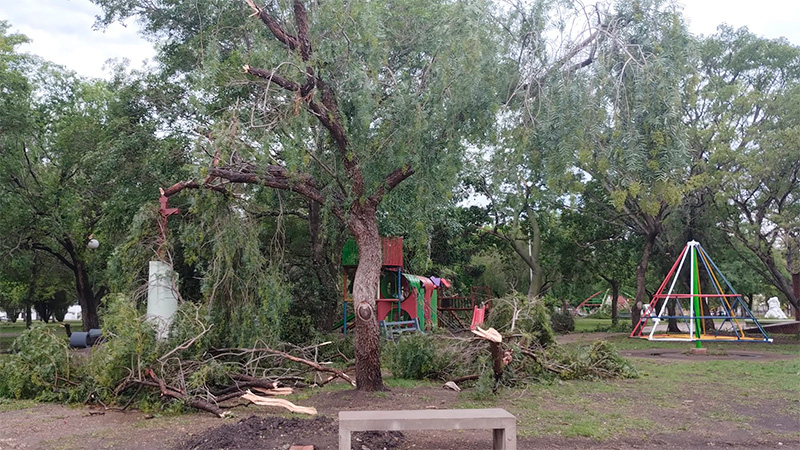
x: 263, y: 401
x: 285, y: 355
x: 178, y: 394
x: 275, y: 391
x: 535, y: 357
x: 472, y: 377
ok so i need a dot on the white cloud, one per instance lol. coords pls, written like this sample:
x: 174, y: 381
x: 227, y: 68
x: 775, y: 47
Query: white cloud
x: 62, y: 31
x: 769, y: 18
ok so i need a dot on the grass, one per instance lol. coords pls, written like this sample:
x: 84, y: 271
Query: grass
x: 5, y: 343
x: 589, y: 324
x: 7, y: 404
x: 692, y: 394
x: 669, y: 397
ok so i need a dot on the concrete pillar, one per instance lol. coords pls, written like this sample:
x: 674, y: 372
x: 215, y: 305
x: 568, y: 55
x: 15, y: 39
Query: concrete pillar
x: 162, y: 297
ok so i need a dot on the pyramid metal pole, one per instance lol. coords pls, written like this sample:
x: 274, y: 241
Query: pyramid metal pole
x: 696, y: 305
x: 679, y: 262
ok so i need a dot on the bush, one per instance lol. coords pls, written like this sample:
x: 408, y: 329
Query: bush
x: 129, y: 348
x: 563, y: 322
x: 416, y: 357
x: 621, y: 327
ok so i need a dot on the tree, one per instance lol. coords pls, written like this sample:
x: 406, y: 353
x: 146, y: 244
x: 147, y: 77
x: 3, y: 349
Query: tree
x: 326, y: 87
x: 522, y: 174
x: 630, y: 137
x: 599, y: 248
x: 741, y: 106
x: 75, y: 158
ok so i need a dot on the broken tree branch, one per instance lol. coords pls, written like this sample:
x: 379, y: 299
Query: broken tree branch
x: 316, y: 366
x: 177, y: 394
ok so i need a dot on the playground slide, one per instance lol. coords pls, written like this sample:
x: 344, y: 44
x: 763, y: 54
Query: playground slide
x: 340, y: 323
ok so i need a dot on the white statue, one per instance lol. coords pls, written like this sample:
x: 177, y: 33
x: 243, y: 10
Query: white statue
x: 774, y: 311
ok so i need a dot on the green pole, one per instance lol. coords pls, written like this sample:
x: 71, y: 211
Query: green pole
x: 696, y: 298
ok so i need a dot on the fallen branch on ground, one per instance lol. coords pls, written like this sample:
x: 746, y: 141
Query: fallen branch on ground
x: 263, y: 401
x: 177, y: 394
x: 316, y: 366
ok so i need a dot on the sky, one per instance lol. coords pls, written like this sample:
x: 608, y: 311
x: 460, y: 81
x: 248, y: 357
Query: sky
x: 62, y: 31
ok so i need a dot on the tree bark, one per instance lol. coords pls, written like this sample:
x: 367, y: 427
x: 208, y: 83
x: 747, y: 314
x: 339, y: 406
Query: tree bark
x: 672, y: 324
x: 614, y: 302
x: 641, y: 278
x: 31, y: 292
x: 529, y: 251
x: 28, y: 317
x: 364, y: 226
x: 86, y: 297
x: 796, y: 291
x: 325, y: 270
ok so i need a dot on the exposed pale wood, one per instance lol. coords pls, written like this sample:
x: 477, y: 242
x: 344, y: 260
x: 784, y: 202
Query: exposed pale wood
x: 276, y: 391
x: 263, y: 401
x: 490, y: 335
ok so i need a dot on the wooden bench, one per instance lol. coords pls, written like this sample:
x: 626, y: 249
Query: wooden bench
x: 503, y: 424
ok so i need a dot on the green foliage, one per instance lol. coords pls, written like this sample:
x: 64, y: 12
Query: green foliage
x: 130, y: 347
x: 484, y: 388
x: 598, y: 361
x: 38, y: 368
x: 415, y: 356
x: 563, y: 322
x: 621, y: 327
x: 530, y: 318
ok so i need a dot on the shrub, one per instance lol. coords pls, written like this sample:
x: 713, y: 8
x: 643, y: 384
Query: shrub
x: 416, y: 357
x: 621, y: 327
x: 129, y: 348
x: 562, y: 322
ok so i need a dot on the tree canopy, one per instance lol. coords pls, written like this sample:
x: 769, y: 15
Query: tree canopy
x: 546, y: 146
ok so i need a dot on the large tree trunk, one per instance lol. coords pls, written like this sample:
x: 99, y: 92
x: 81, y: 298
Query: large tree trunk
x: 779, y: 278
x: 793, y: 264
x: 529, y: 251
x: 796, y: 291
x: 326, y: 273
x: 641, y: 279
x: 614, y: 302
x: 672, y: 324
x: 31, y: 292
x: 364, y: 226
x: 86, y: 297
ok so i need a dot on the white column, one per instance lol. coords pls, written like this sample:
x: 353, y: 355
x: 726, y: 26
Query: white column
x: 162, y: 297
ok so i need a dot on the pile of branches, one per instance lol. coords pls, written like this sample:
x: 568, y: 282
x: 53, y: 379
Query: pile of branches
x: 133, y: 369
x: 518, y: 346
x: 227, y: 374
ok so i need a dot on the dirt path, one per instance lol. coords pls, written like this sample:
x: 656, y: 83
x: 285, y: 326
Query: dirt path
x: 52, y: 426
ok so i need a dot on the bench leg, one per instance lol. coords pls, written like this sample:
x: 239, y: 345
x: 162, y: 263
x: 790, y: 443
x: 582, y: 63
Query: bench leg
x: 504, y: 438
x: 344, y: 439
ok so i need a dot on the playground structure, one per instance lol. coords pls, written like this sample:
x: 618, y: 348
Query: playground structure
x: 593, y: 304
x: 409, y: 302
x: 697, y: 313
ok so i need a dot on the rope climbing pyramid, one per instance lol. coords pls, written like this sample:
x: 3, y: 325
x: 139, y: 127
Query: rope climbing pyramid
x: 710, y: 311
